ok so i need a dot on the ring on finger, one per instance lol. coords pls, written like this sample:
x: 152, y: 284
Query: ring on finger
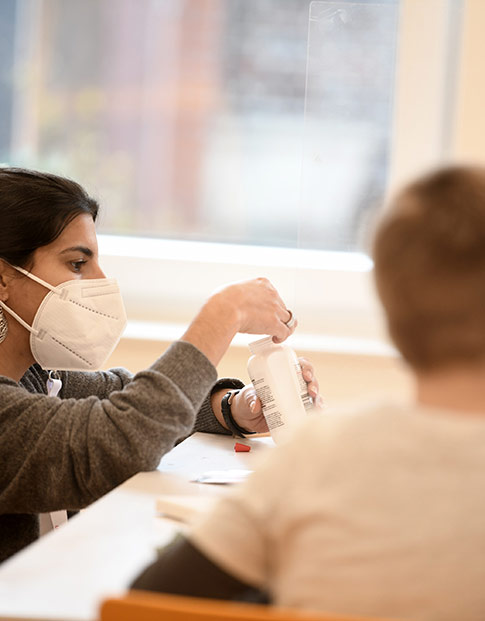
x: 291, y: 321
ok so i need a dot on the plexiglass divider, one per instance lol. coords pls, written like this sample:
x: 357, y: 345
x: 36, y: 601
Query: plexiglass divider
x: 347, y: 139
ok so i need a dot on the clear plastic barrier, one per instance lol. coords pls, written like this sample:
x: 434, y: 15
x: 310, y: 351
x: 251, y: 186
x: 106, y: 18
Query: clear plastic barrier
x: 348, y: 116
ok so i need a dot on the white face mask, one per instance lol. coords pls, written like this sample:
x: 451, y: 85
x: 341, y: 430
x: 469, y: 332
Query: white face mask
x: 77, y: 325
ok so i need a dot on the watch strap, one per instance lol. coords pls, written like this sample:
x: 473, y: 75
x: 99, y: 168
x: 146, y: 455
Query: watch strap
x: 234, y: 428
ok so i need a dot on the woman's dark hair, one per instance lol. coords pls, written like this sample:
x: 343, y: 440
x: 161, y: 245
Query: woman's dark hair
x: 35, y: 207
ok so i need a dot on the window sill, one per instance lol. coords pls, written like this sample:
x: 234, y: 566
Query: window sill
x: 167, y: 281
x: 299, y: 341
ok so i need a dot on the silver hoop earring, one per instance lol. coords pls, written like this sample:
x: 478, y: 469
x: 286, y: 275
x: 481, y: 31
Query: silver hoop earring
x: 3, y: 326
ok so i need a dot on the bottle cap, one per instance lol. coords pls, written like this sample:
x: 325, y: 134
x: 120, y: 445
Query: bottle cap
x: 241, y: 448
x: 261, y: 344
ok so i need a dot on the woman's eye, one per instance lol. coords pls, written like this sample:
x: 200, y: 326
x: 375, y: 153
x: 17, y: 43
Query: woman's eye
x: 77, y: 265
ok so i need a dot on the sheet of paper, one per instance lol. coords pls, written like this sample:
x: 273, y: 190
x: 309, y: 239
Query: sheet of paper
x: 223, y: 477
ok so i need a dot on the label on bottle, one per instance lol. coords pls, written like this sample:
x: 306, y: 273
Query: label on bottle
x: 271, y: 413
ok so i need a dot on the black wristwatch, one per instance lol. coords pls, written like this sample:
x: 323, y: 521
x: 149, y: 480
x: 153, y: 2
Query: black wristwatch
x: 234, y: 428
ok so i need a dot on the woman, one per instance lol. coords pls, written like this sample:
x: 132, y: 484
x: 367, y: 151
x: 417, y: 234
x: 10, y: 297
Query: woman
x: 68, y: 438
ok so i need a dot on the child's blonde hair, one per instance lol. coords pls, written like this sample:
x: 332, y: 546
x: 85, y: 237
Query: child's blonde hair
x: 429, y: 254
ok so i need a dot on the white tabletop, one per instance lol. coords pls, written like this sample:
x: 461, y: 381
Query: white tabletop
x: 68, y: 572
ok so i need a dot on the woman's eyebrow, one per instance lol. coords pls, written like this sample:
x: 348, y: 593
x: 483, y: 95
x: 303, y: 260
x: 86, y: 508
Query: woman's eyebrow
x: 87, y: 251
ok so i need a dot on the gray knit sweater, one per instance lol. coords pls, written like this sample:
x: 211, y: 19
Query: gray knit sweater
x: 65, y: 452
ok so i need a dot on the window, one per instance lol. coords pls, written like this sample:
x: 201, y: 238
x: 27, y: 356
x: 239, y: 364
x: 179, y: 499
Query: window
x: 187, y: 119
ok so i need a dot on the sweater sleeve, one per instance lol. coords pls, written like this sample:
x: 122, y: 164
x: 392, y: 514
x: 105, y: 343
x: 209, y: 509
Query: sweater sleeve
x: 102, y: 383
x: 81, y: 384
x: 66, y: 453
x: 206, y: 419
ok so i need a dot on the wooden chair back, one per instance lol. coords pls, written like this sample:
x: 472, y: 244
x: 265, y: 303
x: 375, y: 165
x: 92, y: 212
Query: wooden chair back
x: 144, y: 606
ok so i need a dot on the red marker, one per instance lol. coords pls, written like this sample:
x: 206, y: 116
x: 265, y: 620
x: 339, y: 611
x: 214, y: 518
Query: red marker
x: 241, y: 448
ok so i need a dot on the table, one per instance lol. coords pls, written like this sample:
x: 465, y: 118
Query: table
x: 66, y: 573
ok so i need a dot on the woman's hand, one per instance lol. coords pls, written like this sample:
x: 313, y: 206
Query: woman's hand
x: 246, y: 408
x: 251, y: 306
x: 256, y: 307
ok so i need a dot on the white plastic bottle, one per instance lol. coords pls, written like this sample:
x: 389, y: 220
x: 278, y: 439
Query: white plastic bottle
x: 277, y: 378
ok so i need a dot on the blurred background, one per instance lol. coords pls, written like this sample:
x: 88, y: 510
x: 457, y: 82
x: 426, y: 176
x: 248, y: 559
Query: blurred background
x: 186, y: 117
x: 229, y: 139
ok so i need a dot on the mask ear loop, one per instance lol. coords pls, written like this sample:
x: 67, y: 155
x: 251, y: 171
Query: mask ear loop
x: 53, y: 384
x: 41, y: 282
x: 36, y: 278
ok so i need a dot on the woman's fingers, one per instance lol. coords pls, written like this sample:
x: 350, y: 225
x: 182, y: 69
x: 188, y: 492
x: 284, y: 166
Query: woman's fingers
x: 309, y: 377
x: 253, y: 402
x: 247, y: 410
x: 259, y: 308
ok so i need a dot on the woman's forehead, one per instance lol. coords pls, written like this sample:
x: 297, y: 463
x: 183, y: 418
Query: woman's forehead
x: 79, y: 234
